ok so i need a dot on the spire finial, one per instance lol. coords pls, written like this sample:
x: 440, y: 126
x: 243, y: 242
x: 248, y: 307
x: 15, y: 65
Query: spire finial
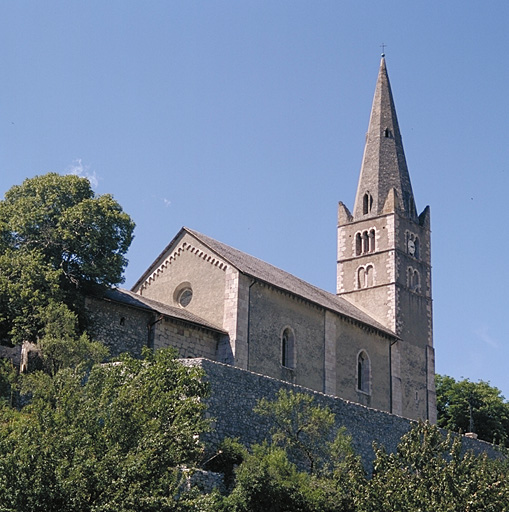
x: 383, y: 45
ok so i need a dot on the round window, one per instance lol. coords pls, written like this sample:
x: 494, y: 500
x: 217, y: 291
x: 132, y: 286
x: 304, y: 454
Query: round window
x: 185, y: 297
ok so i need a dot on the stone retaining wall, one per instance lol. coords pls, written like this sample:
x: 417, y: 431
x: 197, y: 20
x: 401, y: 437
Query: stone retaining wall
x: 235, y: 392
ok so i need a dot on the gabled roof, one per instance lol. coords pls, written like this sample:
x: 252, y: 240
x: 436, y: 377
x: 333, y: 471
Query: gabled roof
x: 262, y: 271
x: 138, y: 301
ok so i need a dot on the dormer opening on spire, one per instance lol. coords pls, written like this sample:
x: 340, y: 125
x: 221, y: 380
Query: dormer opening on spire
x: 367, y: 203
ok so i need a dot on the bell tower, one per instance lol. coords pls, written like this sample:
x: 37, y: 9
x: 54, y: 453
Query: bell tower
x: 384, y: 258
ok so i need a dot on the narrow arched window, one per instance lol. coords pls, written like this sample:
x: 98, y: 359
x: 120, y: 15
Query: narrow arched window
x: 365, y: 242
x: 358, y: 244
x: 288, y: 348
x: 416, y: 282
x: 369, y: 276
x: 361, y: 279
x: 363, y: 372
x: 367, y: 203
x: 372, y: 241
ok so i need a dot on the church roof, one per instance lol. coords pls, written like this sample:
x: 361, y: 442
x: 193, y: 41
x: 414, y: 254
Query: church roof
x: 138, y: 301
x: 384, y: 166
x: 274, y: 276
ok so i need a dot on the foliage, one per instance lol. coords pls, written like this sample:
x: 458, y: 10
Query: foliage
x: 230, y: 454
x: 267, y: 481
x: 8, y: 382
x: 104, y: 438
x: 60, y: 346
x: 306, y: 433
x: 304, y: 430
x: 472, y: 407
x: 84, y: 235
x: 57, y: 238
x: 430, y: 472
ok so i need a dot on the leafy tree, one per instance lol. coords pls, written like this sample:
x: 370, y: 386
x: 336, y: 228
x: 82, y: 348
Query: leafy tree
x: 84, y: 235
x: 304, y: 430
x: 472, y: 407
x: 326, y: 477
x: 104, y: 438
x: 431, y: 472
x: 57, y: 239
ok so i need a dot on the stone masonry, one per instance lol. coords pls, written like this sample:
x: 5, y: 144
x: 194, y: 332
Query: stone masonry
x: 235, y: 392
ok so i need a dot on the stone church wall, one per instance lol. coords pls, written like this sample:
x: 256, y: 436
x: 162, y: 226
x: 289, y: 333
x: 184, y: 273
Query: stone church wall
x: 351, y: 340
x: 270, y: 313
x: 120, y: 328
x: 190, y: 342
x: 190, y: 265
x: 235, y: 392
x: 127, y: 329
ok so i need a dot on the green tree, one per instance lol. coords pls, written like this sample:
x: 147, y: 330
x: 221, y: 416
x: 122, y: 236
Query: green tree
x: 309, y: 465
x: 104, y: 438
x: 472, y: 407
x: 431, y: 472
x: 57, y: 239
x: 305, y: 431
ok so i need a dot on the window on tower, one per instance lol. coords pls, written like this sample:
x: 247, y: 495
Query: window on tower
x: 365, y: 242
x: 367, y: 203
x: 413, y: 280
x: 365, y: 276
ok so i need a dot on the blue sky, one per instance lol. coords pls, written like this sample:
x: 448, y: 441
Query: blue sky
x: 245, y: 120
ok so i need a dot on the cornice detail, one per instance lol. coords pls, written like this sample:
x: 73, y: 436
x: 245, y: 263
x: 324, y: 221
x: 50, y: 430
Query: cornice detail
x: 185, y: 246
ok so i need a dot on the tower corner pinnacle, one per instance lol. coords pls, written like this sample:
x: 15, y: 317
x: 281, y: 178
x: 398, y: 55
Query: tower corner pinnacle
x: 344, y: 215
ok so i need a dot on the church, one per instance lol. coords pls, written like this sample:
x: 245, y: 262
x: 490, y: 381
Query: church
x: 370, y: 343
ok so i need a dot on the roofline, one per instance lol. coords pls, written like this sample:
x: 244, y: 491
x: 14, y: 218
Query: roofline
x: 153, y: 310
x: 387, y: 332
x: 153, y: 264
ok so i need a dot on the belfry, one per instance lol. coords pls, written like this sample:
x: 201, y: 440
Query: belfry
x: 384, y: 258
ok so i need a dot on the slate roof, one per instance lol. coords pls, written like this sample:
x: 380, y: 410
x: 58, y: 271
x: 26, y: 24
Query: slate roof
x: 254, y: 267
x: 138, y: 301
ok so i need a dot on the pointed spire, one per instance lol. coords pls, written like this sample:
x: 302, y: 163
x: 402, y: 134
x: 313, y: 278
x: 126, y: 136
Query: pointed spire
x: 384, y: 165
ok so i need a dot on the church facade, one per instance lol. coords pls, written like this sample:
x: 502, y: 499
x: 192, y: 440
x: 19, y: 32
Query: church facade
x: 370, y: 343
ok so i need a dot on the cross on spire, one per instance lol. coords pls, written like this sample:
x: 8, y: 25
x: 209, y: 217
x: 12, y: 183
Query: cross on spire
x: 383, y: 45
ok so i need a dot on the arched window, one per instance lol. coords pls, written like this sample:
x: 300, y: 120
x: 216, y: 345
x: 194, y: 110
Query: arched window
x: 363, y: 372
x: 369, y: 277
x: 365, y: 242
x: 358, y: 244
x: 365, y: 276
x: 413, y: 280
x: 288, y: 348
x: 416, y: 282
x: 372, y: 240
x: 360, y: 277
x: 367, y: 203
